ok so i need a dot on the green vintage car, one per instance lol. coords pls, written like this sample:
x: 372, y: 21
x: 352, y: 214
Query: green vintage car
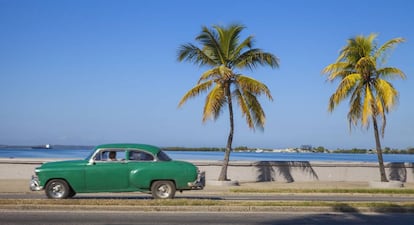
x: 118, y: 168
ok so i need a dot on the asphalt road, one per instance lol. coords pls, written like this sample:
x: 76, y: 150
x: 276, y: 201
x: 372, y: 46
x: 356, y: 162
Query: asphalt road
x: 241, y: 196
x: 182, y: 218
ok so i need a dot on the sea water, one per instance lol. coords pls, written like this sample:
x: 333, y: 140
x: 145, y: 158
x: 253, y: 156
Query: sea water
x: 204, y: 155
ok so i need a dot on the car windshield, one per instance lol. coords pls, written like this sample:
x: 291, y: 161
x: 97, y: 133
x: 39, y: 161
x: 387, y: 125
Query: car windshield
x: 162, y: 156
x: 90, y: 155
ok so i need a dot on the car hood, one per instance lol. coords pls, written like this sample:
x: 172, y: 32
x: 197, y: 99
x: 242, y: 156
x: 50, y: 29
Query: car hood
x: 67, y: 163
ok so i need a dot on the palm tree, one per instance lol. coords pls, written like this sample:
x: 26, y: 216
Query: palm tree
x: 222, y: 52
x: 365, y: 82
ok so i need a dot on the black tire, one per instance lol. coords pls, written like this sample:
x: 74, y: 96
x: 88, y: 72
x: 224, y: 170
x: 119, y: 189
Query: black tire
x: 57, y: 189
x: 72, y: 193
x: 163, y: 189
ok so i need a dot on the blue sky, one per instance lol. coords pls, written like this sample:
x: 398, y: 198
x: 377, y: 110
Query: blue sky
x: 92, y: 72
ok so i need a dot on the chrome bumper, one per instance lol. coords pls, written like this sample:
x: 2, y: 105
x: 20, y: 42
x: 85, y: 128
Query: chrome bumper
x: 34, y: 184
x: 199, y: 183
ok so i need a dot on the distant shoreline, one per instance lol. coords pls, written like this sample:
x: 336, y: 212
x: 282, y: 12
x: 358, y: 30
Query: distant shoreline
x: 54, y: 147
x: 409, y: 151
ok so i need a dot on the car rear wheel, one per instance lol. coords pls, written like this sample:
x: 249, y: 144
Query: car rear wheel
x: 57, y: 189
x: 163, y: 189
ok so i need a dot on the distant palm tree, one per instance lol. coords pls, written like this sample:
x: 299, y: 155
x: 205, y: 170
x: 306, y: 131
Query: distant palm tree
x: 365, y: 82
x: 223, y: 53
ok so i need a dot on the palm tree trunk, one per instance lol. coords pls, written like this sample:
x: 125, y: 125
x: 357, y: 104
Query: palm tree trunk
x: 223, y: 173
x: 379, y: 151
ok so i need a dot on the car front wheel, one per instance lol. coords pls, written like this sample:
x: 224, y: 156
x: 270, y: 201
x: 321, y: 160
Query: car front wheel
x: 163, y: 189
x: 57, y: 189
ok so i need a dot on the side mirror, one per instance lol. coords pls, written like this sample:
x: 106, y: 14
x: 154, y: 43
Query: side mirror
x: 92, y: 162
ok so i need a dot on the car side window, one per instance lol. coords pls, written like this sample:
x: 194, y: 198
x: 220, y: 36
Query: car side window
x: 140, y: 156
x: 109, y: 155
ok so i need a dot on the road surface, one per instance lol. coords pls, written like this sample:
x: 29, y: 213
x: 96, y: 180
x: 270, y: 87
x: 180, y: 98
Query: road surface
x: 241, y: 196
x: 181, y: 218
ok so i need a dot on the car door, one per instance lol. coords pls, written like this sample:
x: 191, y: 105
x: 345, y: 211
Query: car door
x: 106, y: 174
x: 141, y: 165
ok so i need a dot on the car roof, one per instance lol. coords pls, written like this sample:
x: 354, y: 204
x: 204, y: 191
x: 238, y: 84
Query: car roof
x: 149, y: 148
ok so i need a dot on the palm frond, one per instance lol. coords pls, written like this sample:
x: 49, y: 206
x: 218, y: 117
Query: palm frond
x: 246, y: 44
x: 391, y: 72
x: 355, y: 109
x: 244, y: 107
x: 381, y: 111
x: 383, y: 52
x: 357, y: 48
x: 253, y: 86
x: 210, y: 40
x: 386, y: 93
x: 336, y: 70
x: 210, y: 74
x: 193, y: 54
x: 254, y: 57
x: 195, y: 91
x: 229, y: 38
x: 214, y: 103
x: 365, y: 66
x: 368, y: 104
x: 251, y: 109
x: 256, y: 110
x: 344, y: 89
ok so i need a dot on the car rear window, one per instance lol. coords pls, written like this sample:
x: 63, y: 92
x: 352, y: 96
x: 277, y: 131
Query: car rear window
x: 162, y: 156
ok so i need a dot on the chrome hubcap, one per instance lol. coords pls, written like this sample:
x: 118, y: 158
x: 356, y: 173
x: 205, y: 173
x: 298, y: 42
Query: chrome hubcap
x: 164, y: 191
x: 57, y: 190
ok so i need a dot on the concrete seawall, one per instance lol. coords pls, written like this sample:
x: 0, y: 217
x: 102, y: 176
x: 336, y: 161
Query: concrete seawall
x: 303, y: 171
x: 259, y: 171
